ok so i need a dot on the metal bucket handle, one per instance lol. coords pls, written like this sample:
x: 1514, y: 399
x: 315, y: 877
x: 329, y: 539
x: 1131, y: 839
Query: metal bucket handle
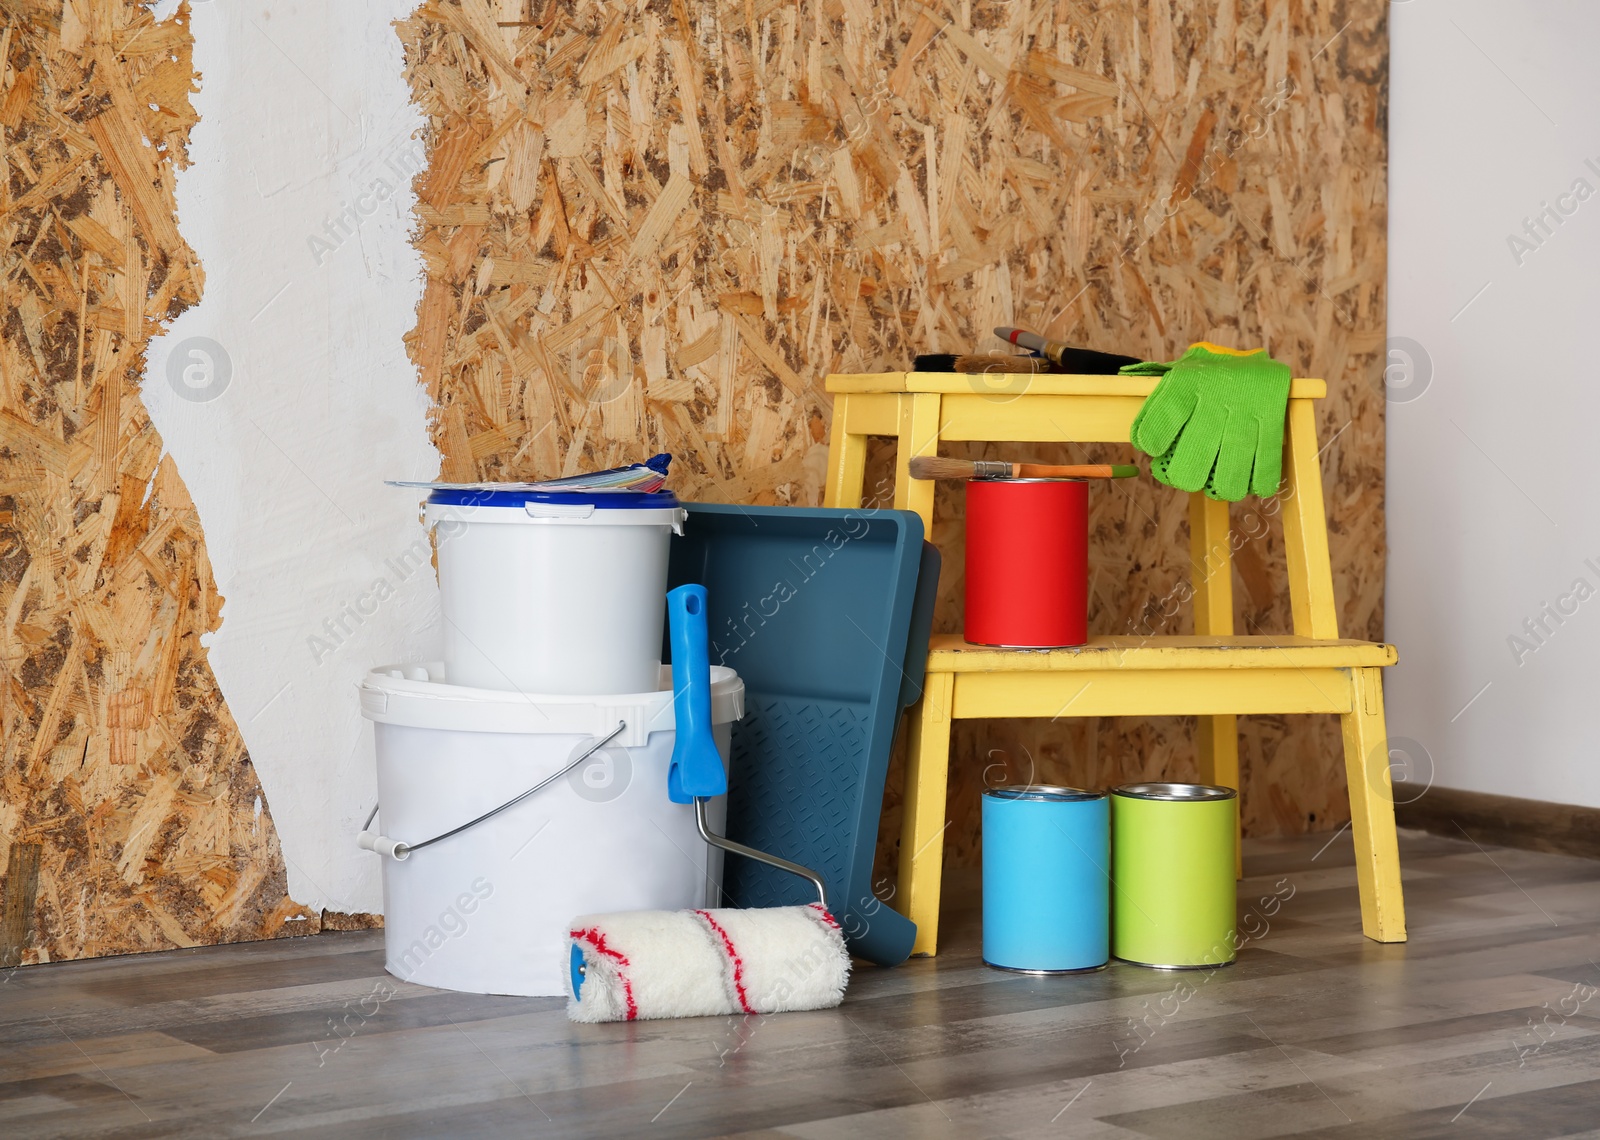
x: 400, y: 852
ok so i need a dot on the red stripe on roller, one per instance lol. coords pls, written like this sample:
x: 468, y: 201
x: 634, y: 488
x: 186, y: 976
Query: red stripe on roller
x: 733, y: 958
x: 596, y: 938
x: 822, y: 913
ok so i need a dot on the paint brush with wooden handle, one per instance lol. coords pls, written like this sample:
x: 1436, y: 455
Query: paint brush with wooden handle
x: 938, y: 467
x: 1081, y: 361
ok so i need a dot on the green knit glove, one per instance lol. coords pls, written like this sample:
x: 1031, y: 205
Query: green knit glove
x: 1215, y: 421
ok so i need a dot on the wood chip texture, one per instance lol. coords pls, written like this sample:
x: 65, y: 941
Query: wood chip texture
x: 659, y: 225
x: 130, y: 816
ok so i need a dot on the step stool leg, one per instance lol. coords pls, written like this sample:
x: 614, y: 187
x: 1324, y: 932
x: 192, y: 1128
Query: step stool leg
x: 1366, y: 767
x: 919, y: 435
x: 847, y: 459
x: 1211, y: 569
x: 922, y: 811
x: 1218, y: 741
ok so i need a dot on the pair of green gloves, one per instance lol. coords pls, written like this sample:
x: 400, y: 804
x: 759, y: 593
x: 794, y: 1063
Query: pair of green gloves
x: 1215, y: 421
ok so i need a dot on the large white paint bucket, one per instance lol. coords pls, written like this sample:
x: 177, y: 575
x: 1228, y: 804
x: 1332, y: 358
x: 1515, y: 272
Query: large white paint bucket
x: 553, y: 592
x: 486, y: 910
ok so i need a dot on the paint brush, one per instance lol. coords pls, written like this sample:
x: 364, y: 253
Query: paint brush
x: 981, y: 363
x: 1078, y: 361
x: 938, y: 467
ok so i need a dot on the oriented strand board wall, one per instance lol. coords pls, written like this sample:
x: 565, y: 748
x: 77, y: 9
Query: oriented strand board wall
x: 658, y: 225
x: 1240, y: 199
x: 130, y: 817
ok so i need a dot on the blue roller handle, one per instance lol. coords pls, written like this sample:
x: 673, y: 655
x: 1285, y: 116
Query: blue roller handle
x: 696, y: 769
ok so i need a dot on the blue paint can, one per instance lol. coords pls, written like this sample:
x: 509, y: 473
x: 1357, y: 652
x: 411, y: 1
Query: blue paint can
x: 1046, y: 879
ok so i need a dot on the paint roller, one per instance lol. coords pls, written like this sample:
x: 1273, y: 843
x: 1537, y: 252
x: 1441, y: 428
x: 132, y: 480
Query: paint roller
x: 635, y: 965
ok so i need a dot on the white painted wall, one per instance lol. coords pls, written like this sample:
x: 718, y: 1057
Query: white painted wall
x: 1492, y: 471
x: 304, y: 114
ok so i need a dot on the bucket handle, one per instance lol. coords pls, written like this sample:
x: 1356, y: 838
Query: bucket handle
x: 559, y: 510
x: 400, y: 852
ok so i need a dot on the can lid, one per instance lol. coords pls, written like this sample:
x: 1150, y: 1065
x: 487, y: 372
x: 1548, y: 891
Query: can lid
x: 1174, y: 792
x: 1044, y: 793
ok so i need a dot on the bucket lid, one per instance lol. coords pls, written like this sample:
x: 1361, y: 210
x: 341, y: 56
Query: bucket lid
x: 591, y: 508
x: 1044, y: 793
x: 1175, y: 792
x: 599, y: 500
x: 418, y: 696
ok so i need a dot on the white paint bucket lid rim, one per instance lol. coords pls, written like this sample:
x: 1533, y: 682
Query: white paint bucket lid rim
x: 410, y: 696
x: 523, y: 505
x: 490, y: 496
x: 542, y: 513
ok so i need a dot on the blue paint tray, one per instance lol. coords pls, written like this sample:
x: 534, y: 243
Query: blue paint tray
x: 825, y: 616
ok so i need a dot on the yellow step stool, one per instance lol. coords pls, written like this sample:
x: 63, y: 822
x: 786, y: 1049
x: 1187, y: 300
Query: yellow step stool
x: 1214, y: 675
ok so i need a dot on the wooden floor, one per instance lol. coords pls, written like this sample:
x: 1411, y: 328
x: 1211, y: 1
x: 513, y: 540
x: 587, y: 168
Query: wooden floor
x: 1487, y: 1024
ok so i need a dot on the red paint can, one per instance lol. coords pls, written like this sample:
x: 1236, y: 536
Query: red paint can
x: 1027, y: 562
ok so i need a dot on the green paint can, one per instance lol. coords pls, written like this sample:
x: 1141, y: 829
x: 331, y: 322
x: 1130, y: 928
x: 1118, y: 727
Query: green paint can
x: 1172, y: 875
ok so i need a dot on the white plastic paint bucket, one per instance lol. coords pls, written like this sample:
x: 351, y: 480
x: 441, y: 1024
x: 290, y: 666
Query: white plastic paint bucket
x: 486, y: 910
x: 553, y: 592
